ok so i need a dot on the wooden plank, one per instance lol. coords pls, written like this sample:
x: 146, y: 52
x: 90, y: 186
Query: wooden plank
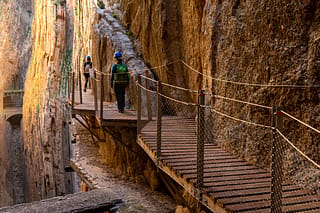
x: 236, y: 177
x: 171, y: 139
x: 227, y: 173
x: 212, y: 163
x: 299, y: 199
x: 193, y: 157
x: 265, y: 210
x: 239, y: 193
x: 208, y: 169
x: 311, y: 211
x: 244, y: 199
x: 292, y: 194
x: 236, y: 182
x: 302, y: 207
x: 249, y: 206
x: 243, y: 186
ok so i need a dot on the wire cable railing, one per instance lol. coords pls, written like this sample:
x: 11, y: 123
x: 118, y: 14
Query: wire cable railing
x: 245, y: 83
x: 236, y: 119
x: 173, y: 106
x: 297, y: 149
x: 239, y: 101
x: 301, y: 122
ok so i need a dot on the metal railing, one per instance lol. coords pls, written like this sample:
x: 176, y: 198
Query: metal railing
x: 13, y: 98
x: 177, y: 103
x: 205, y: 115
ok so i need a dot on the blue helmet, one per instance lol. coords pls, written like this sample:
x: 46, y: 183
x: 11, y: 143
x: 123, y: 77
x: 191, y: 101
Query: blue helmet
x: 118, y: 54
x: 88, y: 57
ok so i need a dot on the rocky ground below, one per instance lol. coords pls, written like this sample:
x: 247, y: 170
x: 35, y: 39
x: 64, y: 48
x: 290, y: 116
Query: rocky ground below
x: 136, y: 196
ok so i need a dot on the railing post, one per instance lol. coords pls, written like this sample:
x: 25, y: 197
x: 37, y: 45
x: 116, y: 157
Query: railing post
x: 80, y: 88
x: 159, y: 116
x: 101, y: 97
x: 73, y: 87
x: 200, y: 142
x: 139, y: 105
x: 95, y: 91
x: 148, y: 96
x: 276, y: 164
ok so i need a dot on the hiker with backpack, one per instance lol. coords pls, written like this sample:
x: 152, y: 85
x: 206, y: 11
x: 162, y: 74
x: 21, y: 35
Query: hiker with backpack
x: 86, y: 71
x: 119, y: 80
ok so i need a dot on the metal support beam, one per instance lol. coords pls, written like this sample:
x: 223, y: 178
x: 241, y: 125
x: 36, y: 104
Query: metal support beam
x: 200, y: 142
x: 148, y: 96
x: 85, y: 126
x: 95, y: 91
x: 101, y: 97
x: 139, y: 105
x: 159, y: 116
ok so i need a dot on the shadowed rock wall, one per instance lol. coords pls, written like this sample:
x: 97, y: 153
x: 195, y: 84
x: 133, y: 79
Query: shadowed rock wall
x: 45, y: 109
x: 15, y: 51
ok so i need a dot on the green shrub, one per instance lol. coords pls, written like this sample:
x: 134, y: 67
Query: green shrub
x: 101, y: 4
x: 130, y: 34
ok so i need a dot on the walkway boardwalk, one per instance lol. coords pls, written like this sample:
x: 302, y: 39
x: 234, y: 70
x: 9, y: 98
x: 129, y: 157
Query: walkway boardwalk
x: 230, y: 184
x: 12, y: 105
x: 111, y: 116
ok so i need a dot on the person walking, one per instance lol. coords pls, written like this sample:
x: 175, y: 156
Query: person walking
x: 86, y: 71
x: 119, y: 80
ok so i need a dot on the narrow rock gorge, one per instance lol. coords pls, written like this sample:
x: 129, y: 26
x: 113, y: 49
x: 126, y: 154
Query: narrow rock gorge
x: 15, y: 52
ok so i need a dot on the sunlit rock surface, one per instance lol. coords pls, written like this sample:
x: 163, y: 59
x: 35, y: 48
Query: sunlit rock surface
x: 45, y: 110
x: 260, y: 42
x: 15, y: 51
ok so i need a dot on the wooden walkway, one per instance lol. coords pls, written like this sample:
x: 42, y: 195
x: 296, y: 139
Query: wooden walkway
x: 111, y: 116
x: 230, y: 184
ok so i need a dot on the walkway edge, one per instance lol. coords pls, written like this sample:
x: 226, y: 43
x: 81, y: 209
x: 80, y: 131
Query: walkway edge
x: 189, y: 187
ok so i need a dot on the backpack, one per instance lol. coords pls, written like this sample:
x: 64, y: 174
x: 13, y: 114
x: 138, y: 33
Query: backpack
x: 121, y: 76
x: 87, y: 68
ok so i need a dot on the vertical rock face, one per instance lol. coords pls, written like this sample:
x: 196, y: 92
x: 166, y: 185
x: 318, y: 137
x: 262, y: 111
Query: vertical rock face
x: 260, y: 42
x: 45, y: 111
x: 15, y: 51
x: 16, y: 18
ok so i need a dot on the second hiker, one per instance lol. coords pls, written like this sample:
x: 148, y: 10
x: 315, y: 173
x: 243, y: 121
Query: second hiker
x: 119, y: 80
x: 86, y: 71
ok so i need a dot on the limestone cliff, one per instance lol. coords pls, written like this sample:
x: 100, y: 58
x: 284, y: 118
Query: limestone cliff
x: 259, y: 42
x: 15, y: 50
x: 45, y: 111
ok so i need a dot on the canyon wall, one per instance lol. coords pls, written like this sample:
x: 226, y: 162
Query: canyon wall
x: 15, y: 51
x: 46, y: 112
x: 258, y: 42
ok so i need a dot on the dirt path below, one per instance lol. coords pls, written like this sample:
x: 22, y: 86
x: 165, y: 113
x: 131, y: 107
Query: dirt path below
x: 136, y: 197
